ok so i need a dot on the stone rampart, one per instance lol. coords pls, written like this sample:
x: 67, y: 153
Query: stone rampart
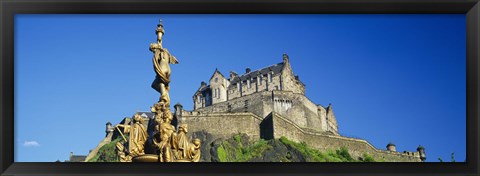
x: 357, y: 147
x: 292, y: 105
x: 222, y: 124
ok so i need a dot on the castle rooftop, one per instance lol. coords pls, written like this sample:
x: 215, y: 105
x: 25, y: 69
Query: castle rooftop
x: 277, y: 68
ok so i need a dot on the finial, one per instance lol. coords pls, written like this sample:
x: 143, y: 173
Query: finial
x: 285, y: 57
x: 160, y: 27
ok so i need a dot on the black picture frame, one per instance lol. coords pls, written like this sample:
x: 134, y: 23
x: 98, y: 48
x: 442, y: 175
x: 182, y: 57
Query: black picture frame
x: 9, y: 8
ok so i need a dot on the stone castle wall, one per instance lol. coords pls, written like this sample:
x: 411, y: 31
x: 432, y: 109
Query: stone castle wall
x: 274, y: 125
x: 222, y: 125
x: 357, y: 147
x: 295, y: 106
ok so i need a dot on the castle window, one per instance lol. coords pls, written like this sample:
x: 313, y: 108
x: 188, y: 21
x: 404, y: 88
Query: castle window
x: 270, y: 75
x: 218, y: 92
x: 216, y: 79
x: 260, y: 79
x: 248, y: 84
x: 238, y: 87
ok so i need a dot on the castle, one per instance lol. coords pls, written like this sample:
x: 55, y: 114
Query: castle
x: 240, y: 93
x: 269, y: 103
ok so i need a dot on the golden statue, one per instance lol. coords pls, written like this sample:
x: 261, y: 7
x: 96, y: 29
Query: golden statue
x: 165, y: 144
x: 185, y: 150
x: 161, y: 60
x: 135, y: 143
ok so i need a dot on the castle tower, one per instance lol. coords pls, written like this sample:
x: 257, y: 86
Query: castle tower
x: 421, y: 151
x: 218, y: 86
x: 332, y: 125
x: 108, y: 128
x: 391, y: 147
x: 199, y: 98
x: 322, y: 114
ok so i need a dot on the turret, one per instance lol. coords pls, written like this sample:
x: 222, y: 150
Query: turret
x: 108, y: 128
x: 421, y: 151
x: 391, y: 147
x: 178, y: 109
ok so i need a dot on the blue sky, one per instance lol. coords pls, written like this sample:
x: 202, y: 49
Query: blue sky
x: 390, y: 78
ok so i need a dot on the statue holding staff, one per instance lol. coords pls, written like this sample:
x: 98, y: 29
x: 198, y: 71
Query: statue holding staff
x: 135, y: 144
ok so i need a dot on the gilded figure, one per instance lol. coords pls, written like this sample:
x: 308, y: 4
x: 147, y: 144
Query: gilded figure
x: 161, y: 60
x: 136, y: 142
x: 168, y: 145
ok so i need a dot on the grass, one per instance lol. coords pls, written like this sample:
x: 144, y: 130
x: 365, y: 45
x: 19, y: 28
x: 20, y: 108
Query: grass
x: 314, y: 155
x: 222, y: 155
x: 107, y: 153
x: 234, y: 151
x: 368, y: 158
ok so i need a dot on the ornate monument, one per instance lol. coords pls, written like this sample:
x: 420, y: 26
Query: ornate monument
x: 167, y: 144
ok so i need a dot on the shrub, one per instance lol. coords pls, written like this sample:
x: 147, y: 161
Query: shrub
x: 341, y: 155
x: 107, y: 153
x: 222, y: 155
x: 368, y: 158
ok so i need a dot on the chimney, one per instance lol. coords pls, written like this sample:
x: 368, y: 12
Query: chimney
x: 232, y: 75
x: 247, y: 70
x: 203, y: 83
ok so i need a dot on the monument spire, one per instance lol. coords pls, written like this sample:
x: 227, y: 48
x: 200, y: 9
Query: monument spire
x: 169, y: 145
